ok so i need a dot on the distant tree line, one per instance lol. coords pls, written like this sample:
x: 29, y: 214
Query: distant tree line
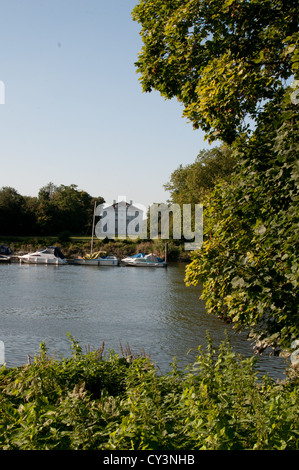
x: 56, y: 209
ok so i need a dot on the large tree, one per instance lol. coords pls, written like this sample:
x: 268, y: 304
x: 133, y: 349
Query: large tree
x: 56, y: 209
x: 11, y: 211
x: 228, y: 61
x: 193, y: 183
x: 65, y: 208
x: 248, y: 263
x: 221, y: 58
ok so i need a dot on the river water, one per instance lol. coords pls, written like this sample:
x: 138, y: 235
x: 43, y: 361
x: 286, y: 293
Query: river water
x: 148, y: 309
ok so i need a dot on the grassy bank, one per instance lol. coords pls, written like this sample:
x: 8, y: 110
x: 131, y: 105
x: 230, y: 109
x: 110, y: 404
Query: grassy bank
x: 73, y: 246
x: 90, y: 401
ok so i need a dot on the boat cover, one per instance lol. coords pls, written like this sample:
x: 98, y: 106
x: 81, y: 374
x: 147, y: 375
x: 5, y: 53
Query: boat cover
x: 96, y: 255
x: 53, y: 250
x: 150, y: 256
x: 5, y: 250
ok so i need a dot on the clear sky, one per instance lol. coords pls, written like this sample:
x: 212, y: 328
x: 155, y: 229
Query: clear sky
x: 74, y: 111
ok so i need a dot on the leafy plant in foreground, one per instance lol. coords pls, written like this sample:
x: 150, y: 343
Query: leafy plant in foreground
x: 92, y: 402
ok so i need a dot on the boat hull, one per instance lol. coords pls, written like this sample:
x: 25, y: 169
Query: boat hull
x: 49, y: 255
x: 96, y: 262
x: 144, y: 264
x: 5, y: 259
x: 36, y: 260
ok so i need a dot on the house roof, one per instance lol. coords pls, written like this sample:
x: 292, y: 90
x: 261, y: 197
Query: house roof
x: 125, y: 204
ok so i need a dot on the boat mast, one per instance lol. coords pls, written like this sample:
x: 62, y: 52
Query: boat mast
x: 94, y: 212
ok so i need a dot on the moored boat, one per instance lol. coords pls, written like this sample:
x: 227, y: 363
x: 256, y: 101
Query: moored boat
x: 142, y: 260
x: 49, y: 255
x: 97, y: 260
x: 5, y: 254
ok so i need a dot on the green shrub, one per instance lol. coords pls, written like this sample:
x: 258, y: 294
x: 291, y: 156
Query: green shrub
x: 64, y: 236
x: 90, y: 401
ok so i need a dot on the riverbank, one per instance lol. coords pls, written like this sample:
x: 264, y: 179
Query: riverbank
x: 122, y: 402
x: 73, y: 247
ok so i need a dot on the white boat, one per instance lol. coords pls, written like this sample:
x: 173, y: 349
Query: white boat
x: 49, y: 255
x: 5, y: 254
x: 141, y: 260
x: 97, y: 261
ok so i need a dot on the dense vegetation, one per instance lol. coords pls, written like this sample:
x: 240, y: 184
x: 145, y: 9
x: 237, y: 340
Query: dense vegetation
x: 56, y: 209
x: 88, y: 401
x: 222, y: 59
x: 194, y: 182
x: 230, y: 63
x: 249, y: 259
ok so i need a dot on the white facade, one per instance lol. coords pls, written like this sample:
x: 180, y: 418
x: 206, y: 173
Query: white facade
x: 121, y: 219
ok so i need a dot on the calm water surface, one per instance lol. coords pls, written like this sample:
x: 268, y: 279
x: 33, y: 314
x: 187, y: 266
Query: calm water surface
x: 149, y: 309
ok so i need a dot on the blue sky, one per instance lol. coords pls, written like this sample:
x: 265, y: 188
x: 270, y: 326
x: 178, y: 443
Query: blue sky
x: 74, y: 111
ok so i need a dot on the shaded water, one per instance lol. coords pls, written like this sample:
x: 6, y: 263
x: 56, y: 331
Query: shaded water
x: 146, y: 308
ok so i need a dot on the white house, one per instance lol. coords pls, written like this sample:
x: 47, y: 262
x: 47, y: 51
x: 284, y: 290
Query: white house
x: 120, y: 219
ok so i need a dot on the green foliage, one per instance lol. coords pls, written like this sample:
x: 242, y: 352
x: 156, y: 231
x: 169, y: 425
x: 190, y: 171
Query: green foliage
x: 249, y: 260
x: 64, y: 236
x: 11, y: 215
x: 64, y: 208
x: 221, y: 59
x: 193, y: 183
x: 228, y: 61
x: 56, y: 209
x: 92, y: 402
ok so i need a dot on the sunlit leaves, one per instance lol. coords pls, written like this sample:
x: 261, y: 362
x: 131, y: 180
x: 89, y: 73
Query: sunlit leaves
x: 248, y: 263
x: 194, y: 182
x: 220, y: 59
x: 227, y: 61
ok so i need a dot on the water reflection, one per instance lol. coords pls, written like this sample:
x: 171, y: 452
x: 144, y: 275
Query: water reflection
x: 150, y: 309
